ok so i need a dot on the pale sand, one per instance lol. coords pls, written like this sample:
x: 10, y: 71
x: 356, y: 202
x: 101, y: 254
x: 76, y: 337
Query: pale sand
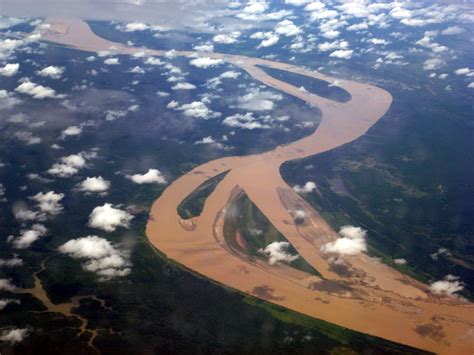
x: 377, y: 299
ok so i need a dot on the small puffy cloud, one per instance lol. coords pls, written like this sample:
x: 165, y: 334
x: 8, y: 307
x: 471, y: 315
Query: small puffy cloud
x: 94, y: 184
x: 271, y: 40
x: 49, y: 203
x: 230, y: 74
x: 28, y: 236
x: 433, y: 64
x: 135, y: 26
x: 112, y: 61
x: 256, y: 100
x: 228, y: 38
x: 278, y: 252
x: 9, y: 69
x: 323, y: 14
x: 12, y: 262
x: 400, y: 261
x: 6, y: 285
x: 100, y: 256
x: 152, y: 176
x: 205, y: 62
x: 36, y: 91
x: 297, y: 2
x: 310, y: 186
x: 462, y: 71
x: 52, y: 72
x: 352, y: 242
x: 246, y: 121
x: 71, y: 131
x: 7, y: 100
x: 183, y: 86
x: 108, y: 218
x: 378, y: 41
x: 13, y: 335
x: 454, y: 30
x: 208, y: 47
x: 198, y: 109
x: 358, y: 27
x: 342, y: 54
x: 154, y: 61
x: 287, y: 28
x: 6, y: 301
x: 27, y: 137
x: 449, y: 286
x: 68, y: 165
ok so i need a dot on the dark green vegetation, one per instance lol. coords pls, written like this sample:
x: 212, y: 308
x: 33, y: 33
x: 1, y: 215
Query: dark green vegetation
x: 193, y: 204
x: 247, y: 231
x: 312, y: 85
x: 407, y: 181
x: 159, y: 307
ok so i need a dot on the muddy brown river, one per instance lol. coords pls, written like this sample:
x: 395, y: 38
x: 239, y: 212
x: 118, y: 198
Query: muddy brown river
x: 371, y: 297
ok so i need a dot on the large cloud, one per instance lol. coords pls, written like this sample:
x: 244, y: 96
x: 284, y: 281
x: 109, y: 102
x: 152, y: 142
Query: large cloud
x: 278, y: 252
x: 152, y: 176
x: 99, y: 256
x: 108, y: 218
x: 6, y: 285
x: 351, y: 243
x: 7, y: 100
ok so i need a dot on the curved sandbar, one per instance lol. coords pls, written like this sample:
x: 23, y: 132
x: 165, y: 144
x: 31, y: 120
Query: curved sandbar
x: 376, y: 300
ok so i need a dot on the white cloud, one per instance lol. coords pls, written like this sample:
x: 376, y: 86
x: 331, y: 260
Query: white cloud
x: 183, y: 86
x: 256, y: 100
x: 28, y: 236
x: 297, y: 2
x: 198, y: 109
x: 135, y: 26
x: 152, y: 176
x: 112, y: 61
x: 454, y: 30
x: 108, y: 218
x: 68, y: 165
x: 358, y: 27
x: 246, y: 121
x: 52, y: 72
x: 205, y: 62
x: 27, y: 137
x: 208, y: 47
x: 49, y: 203
x: 6, y: 301
x: 378, y: 41
x: 227, y: 38
x: 6, y: 285
x: 271, y: 40
x: 287, y: 28
x: 323, y: 14
x: 352, y: 242
x: 10, y: 69
x: 433, y: 64
x: 154, y: 61
x: 71, y: 131
x: 94, y: 184
x: 449, y: 286
x: 278, y: 252
x: 7, y: 100
x: 329, y: 46
x: 13, y: 335
x: 14, y: 261
x: 39, y: 92
x: 310, y: 186
x: 315, y: 6
x: 230, y: 74
x: 400, y: 261
x: 101, y: 257
x: 462, y: 71
x: 342, y: 54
